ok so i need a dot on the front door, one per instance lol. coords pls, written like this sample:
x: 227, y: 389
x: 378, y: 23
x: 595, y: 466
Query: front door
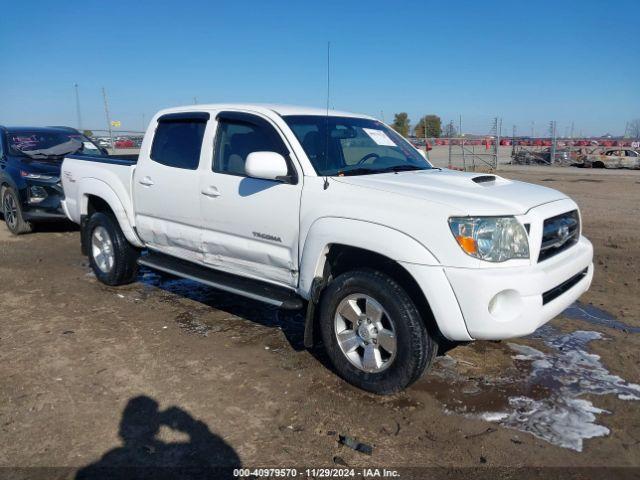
x: 166, y: 187
x: 250, y: 226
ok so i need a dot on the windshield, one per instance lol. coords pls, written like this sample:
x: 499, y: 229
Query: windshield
x: 43, y: 144
x: 357, y: 146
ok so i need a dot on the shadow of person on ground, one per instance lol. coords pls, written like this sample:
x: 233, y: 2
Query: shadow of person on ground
x: 143, y: 455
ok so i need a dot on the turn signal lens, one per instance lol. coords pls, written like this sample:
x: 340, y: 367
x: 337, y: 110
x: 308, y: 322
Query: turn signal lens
x: 468, y: 244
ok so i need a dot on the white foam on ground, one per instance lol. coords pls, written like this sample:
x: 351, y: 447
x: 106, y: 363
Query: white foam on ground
x: 570, y: 372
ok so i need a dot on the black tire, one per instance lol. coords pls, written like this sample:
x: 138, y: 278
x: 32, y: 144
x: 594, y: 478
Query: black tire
x: 124, y: 266
x: 12, y: 211
x: 415, y: 348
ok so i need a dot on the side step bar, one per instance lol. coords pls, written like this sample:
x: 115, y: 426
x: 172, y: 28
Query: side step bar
x: 254, y: 289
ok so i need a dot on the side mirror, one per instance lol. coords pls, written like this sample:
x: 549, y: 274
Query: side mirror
x: 267, y: 165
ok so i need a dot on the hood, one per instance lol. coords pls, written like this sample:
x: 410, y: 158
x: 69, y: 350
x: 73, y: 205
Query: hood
x: 471, y: 193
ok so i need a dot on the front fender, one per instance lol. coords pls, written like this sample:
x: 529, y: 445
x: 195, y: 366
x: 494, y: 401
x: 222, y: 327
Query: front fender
x: 377, y: 238
x: 98, y: 188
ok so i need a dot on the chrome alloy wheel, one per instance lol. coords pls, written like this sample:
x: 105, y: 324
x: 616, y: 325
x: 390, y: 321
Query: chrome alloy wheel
x: 10, y: 210
x: 102, y: 249
x: 365, y: 332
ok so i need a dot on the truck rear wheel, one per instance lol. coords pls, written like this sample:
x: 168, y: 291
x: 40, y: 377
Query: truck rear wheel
x: 373, y: 333
x: 112, y: 258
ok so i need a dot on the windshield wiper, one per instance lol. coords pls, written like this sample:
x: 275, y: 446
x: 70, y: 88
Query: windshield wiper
x: 369, y: 171
x: 355, y: 171
x: 400, y: 168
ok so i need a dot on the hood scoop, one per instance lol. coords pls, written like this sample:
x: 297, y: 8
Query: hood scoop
x: 484, y: 178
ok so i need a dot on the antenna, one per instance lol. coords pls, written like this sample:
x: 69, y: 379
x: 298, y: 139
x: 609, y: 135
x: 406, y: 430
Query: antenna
x: 328, y: 75
x: 326, y: 146
x: 78, y: 108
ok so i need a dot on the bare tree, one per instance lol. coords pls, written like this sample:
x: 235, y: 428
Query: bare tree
x: 449, y: 130
x: 634, y: 128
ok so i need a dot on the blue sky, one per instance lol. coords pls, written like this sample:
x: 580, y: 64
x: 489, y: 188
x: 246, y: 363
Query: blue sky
x: 524, y: 61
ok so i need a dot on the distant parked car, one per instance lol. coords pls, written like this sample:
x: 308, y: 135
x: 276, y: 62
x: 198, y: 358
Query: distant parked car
x: 563, y: 156
x: 30, y: 160
x: 612, y: 158
x: 125, y: 143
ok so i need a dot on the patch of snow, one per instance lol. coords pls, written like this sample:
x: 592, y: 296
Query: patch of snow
x: 569, y: 371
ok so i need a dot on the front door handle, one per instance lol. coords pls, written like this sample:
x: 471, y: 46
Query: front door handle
x: 210, y: 191
x: 146, y: 181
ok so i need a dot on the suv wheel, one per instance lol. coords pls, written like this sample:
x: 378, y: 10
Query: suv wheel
x: 373, y: 332
x: 112, y: 258
x: 12, y: 211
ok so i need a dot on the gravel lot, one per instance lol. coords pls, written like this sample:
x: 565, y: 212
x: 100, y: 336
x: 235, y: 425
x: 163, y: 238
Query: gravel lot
x: 166, y: 371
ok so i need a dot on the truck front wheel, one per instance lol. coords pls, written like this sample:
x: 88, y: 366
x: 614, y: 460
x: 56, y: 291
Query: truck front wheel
x: 112, y: 258
x: 373, y: 333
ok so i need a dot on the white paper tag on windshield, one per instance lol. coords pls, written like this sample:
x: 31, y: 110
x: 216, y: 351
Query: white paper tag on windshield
x: 379, y: 137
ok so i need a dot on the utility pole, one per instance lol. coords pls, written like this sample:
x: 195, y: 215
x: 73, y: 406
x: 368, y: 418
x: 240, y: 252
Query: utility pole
x: 459, y: 125
x: 498, y: 131
x: 79, y: 116
x: 552, y: 132
x: 144, y: 124
x: 450, y: 131
x: 571, y: 129
x: 533, y: 128
x: 106, y: 112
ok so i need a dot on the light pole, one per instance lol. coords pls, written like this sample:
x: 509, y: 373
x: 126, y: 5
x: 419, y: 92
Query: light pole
x: 106, y: 112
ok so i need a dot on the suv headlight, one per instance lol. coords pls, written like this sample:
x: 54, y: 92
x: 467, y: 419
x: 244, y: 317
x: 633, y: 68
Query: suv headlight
x: 37, y: 176
x: 493, y: 239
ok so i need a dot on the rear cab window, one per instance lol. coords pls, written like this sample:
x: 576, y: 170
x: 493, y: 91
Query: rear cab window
x: 178, y: 138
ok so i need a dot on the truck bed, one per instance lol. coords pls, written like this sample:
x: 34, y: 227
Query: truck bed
x: 113, y: 159
x: 107, y: 177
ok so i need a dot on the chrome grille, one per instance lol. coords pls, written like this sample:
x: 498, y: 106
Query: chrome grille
x: 559, y: 233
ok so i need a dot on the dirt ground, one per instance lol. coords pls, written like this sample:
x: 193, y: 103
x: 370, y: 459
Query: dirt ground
x: 165, y: 369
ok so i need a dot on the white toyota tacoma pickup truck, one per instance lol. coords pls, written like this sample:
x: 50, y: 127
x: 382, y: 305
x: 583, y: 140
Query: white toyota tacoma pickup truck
x: 336, y: 213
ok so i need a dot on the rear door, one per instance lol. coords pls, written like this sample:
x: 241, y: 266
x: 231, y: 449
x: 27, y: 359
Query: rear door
x: 250, y: 225
x: 166, y: 186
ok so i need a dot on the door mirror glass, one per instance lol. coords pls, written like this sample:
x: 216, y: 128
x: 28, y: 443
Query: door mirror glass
x: 266, y: 165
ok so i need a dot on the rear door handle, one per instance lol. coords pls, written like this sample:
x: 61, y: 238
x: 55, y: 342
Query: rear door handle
x: 210, y: 191
x: 146, y: 181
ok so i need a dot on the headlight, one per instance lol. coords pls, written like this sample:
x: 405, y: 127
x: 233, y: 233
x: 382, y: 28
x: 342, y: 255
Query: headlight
x: 36, y: 176
x: 493, y: 239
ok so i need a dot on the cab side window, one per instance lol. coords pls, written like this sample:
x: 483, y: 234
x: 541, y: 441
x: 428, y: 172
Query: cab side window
x: 177, y: 142
x: 235, y: 140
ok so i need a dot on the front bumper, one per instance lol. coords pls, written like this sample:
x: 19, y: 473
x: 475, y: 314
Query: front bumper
x: 43, y: 215
x: 45, y: 208
x: 508, y: 302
